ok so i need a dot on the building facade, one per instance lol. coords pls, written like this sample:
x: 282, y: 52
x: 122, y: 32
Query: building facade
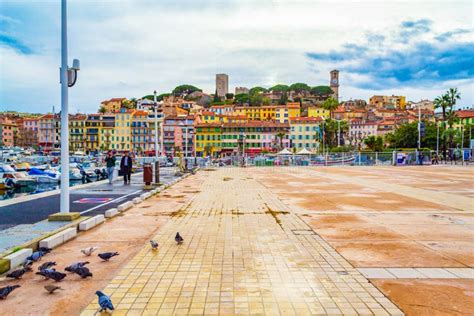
x: 222, y: 85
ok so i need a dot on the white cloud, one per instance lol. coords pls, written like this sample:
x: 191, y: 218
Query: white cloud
x: 129, y: 48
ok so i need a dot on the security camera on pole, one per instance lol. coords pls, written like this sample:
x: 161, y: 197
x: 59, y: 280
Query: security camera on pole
x: 68, y: 77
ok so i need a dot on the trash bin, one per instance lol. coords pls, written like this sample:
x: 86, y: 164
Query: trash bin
x: 147, y: 173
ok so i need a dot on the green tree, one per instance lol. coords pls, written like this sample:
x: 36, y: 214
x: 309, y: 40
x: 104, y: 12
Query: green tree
x: 159, y: 97
x: 184, y: 90
x: 299, y: 87
x: 229, y: 96
x: 257, y: 90
x: 102, y: 109
x: 279, y: 88
x: 242, y: 98
x: 374, y: 143
x: 266, y: 101
x: 446, y: 102
x: 330, y: 104
x: 256, y: 99
x: 216, y: 98
x: 283, y: 99
x: 321, y: 91
x: 281, y: 135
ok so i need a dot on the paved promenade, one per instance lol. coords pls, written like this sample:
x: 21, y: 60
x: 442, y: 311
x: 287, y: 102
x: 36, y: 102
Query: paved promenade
x: 245, y: 252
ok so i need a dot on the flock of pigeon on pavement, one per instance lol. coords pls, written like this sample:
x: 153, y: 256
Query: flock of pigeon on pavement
x: 48, y: 272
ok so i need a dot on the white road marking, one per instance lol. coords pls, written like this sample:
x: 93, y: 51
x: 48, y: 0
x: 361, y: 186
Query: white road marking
x: 112, y: 201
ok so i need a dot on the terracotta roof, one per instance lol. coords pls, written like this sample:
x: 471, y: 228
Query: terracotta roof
x: 306, y: 119
x: 465, y: 113
x: 256, y: 124
x: 209, y: 125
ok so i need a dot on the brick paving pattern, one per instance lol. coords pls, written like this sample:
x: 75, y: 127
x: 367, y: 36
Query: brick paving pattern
x: 247, y: 253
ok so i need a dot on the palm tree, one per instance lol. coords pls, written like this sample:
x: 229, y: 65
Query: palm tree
x: 281, y: 135
x: 451, y: 118
x: 446, y: 102
x: 330, y: 104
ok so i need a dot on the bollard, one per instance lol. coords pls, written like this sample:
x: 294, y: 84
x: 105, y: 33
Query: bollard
x: 157, y: 172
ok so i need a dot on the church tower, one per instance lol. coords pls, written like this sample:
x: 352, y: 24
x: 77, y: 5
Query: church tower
x: 334, y: 83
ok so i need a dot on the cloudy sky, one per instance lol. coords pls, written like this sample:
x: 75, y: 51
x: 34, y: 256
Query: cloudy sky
x: 128, y: 48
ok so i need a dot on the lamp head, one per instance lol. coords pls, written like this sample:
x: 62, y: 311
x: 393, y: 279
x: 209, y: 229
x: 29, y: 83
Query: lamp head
x: 76, y: 64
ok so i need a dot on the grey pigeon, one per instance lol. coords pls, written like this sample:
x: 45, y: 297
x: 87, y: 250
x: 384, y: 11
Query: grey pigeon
x: 46, y: 265
x: 44, y: 250
x: 179, y: 240
x: 4, y: 291
x: 154, y: 245
x: 17, y: 274
x: 51, y: 288
x: 105, y: 302
x: 55, y: 275
x: 28, y: 264
x: 83, y: 272
x: 45, y: 272
x: 89, y: 251
x: 35, y: 256
x: 73, y: 267
x: 107, y: 255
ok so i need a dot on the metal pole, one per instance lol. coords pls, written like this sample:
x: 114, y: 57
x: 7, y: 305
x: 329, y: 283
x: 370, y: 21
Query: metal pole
x: 338, y: 133
x: 186, y: 138
x: 157, y: 162
x: 462, y: 144
x: 419, y: 127
x: 437, y: 138
x: 156, y: 126
x: 64, y: 203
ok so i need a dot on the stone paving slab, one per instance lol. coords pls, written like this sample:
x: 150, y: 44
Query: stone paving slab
x: 417, y: 273
x: 243, y: 254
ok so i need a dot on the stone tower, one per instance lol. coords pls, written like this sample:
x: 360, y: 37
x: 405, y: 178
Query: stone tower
x: 222, y: 84
x: 334, y: 83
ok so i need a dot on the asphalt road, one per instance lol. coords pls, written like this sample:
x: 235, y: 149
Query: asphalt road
x: 88, y: 201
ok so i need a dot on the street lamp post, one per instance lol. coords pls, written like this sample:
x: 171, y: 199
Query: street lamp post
x: 68, y: 78
x: 437, y: 138
x: 157, y: 162
x: 419, y: 127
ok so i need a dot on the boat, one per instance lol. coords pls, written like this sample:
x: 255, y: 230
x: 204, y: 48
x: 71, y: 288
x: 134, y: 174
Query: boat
x: 22, y: 166
x: 20, y: 178
x: 41, y: 176
x: 6, y: 184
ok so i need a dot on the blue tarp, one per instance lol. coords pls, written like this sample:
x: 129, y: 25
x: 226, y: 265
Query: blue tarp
x: 38, y: 172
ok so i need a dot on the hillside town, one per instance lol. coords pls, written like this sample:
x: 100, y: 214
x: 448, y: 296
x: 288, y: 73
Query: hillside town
x: 296, y: 117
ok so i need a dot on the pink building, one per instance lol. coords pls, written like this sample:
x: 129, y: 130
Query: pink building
x: 7, y: 129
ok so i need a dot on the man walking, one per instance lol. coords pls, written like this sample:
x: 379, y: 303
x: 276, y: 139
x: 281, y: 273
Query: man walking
x: 126, y: 167
x: 110, y: 161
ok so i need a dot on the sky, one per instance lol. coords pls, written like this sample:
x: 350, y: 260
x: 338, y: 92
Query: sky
x: 128, y: 48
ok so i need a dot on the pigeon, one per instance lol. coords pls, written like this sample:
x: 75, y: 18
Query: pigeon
x: 27, y: 264
x: 35, y: 256
x: 46, y: 265
x: 45, y: 250
x: 17, y: 274
x: 154, y: 245
x: 4, y: 291
x: 105, y: 302
x: 179, y: 240
x: 51, y: 288
x: 83, y: 272
x: 107, y: 255
x: 52, y: 274
x: 73, y: 267
x: 89, y: 251
x: 45, y: 272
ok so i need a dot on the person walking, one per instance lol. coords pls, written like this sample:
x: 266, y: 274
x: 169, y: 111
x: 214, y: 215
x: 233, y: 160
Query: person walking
x: 126, y: 167
x: 110, y: 163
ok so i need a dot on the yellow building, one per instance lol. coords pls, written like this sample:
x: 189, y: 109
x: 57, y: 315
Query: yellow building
x: 122, y: 138
x: 93, y: 126
x: 305, y: 133
x: 317, y: 111
x: 293, y: 109
x: 77, y: 132
x: 107, y: 131
x: 208, y: 139
x: 267, y: 112
x: 386, y: 101
x: 113, y: 105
